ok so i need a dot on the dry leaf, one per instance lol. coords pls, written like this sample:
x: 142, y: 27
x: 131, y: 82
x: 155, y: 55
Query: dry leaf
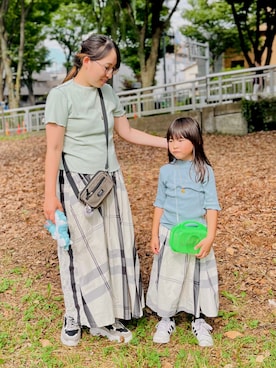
x: 167, y: 365
x: 230, y: 251
x: 232, y: 334
x: 260, y: 358
x: 44, y: 343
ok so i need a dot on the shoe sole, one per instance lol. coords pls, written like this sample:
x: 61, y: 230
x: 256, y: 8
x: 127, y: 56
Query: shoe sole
x: 69, y: 343
x: 160, y: 342
x: 206, y: 345
x: 99, y: 332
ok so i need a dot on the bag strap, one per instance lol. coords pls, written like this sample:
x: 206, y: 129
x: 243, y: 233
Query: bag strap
x: 105, y: 124
x: 68, y: 174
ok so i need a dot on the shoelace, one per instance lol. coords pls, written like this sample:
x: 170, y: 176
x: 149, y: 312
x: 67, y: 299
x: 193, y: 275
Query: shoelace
x: 71, y: 325
x: 202, y: 327
x: 166, y: 326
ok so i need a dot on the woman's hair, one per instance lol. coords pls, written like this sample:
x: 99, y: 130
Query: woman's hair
x: 96, y: 47
x: 189, y: 128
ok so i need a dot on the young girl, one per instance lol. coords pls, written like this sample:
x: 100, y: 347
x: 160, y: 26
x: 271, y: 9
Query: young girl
x: 186, y: 191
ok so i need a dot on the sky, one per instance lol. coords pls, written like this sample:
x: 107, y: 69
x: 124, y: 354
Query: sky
x: 177, y: 19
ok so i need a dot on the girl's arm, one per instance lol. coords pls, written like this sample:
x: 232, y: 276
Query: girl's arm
x: 54, y: 140
x: 206, y: 244
x: 123, y: 128
x: 154, y: 243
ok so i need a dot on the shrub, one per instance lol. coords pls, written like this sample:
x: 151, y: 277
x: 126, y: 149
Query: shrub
x: 260, y: 114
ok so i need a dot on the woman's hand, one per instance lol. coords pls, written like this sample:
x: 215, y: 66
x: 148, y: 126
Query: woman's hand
x: 125, y: 131
x: 154, y: 244
x: 51, y: 204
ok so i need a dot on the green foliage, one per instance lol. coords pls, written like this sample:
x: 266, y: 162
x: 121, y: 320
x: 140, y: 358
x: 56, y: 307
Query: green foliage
x: 24, y: 20
x: 249, y: 17
x: 260, y: 114
x: 70, y: 22
x: 211, y: 22
x: 233, y: 24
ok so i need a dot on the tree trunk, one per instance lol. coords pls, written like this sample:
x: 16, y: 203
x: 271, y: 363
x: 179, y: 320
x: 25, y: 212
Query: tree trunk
x: 5, y: 57
x: 148, y: 67
x: 2, y: 81
x: 20, y: 54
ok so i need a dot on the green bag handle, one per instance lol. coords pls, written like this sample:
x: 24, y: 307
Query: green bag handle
x: 186, y: 235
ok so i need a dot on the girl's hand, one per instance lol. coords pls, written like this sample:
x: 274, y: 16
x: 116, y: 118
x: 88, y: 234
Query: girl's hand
x: 154, y: 244
x: 205, y: 246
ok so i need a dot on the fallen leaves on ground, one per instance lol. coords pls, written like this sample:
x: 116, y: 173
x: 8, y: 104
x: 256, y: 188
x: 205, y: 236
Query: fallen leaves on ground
x: 245, y: 244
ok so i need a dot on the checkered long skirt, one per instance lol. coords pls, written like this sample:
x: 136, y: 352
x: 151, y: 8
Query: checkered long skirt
x: 100, y: 274
x: 181, y: 282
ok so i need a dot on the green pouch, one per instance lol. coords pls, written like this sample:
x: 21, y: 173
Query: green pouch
x: 185, y: 236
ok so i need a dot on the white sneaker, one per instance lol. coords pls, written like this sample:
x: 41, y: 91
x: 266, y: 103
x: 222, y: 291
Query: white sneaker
x: 202, y: 330
x: 116, y: 332
x: 70, y: 332
x: 164, y: 329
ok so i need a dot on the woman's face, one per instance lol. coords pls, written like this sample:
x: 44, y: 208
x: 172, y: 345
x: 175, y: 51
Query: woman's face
x: 181, y: 148
x: 97, y: 73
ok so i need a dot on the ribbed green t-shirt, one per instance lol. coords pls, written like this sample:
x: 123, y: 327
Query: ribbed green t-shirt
x: 78, y: 109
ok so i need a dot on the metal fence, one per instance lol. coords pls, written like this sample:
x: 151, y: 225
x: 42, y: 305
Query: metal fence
x: 214, y: 89
x: 22, y: 120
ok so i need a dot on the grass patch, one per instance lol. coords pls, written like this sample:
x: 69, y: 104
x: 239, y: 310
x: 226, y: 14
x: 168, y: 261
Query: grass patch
x: 30, y: 331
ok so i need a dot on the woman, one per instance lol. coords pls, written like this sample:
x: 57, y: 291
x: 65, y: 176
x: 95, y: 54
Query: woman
x: 100, y: 273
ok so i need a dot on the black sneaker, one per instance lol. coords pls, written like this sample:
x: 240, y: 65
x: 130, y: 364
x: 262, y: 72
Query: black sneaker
x: 116, y: 332
x: 70, y: 332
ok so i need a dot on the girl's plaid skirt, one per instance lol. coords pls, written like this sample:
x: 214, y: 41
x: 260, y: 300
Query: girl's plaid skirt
x: 181, y: 282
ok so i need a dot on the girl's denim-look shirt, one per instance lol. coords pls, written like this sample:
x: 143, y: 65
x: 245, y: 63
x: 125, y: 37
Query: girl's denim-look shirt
x: 183, y: 197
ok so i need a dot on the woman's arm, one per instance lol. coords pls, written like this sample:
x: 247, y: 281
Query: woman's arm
x: 54, y: 140
x: 154, y: 243
x: 123, y: 128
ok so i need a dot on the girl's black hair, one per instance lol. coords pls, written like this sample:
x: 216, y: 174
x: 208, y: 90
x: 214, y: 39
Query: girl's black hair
x: 96, y: 47
x: 189, y: 128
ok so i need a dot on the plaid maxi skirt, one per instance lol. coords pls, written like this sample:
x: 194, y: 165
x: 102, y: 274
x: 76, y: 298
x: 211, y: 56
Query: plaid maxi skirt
x: 100, y: 274
x: 182, y: 283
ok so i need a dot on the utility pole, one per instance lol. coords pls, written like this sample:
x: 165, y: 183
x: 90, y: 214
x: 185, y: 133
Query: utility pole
x: 164, y: 58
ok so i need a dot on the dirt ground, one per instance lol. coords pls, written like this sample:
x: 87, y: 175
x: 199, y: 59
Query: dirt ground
x: 245, y: 244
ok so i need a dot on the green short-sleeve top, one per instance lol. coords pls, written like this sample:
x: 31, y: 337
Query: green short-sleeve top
x: 78, y: 109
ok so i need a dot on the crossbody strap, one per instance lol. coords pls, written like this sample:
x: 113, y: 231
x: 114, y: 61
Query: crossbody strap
x: 105, y: 125
x: 67, y: 171
x: 69, y: 176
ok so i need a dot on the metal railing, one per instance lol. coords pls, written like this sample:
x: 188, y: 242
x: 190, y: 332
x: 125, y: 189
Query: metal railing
x: 22, y: 120
x: 214, y: 89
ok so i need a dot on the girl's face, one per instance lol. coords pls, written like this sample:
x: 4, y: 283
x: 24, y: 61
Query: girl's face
x: 97, y: 73
x: 181, y: 148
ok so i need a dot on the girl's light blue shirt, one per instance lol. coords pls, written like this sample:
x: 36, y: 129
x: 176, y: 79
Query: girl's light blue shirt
x: 182, y: 197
